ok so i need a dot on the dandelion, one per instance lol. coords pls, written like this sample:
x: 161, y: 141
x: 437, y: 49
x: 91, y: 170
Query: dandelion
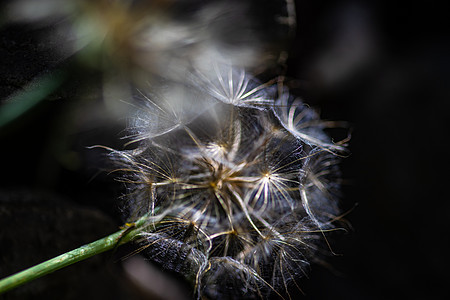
x: 230, y: 182
x: 242, y: 188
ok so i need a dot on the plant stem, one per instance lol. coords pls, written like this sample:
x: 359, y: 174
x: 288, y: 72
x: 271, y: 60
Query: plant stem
x: 121, y: 237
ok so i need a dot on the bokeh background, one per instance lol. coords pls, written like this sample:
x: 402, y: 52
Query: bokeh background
x: 383, y: 67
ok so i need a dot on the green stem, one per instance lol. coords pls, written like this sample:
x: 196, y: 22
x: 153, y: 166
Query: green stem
x: 107, y: 243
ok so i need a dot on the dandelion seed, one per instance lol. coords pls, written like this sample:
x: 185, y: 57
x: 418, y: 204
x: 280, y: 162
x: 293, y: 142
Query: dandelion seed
x: 234, y: 86
x: 303, y: 122
x: 167, y: 108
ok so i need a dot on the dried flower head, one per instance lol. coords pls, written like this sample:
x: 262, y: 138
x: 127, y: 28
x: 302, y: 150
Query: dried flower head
x: 243, y: 185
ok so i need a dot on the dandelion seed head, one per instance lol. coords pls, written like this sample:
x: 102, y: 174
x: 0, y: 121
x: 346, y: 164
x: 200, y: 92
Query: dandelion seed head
x: 237, y: 185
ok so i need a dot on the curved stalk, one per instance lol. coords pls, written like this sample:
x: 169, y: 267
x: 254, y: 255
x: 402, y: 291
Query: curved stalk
x: 123, y: 236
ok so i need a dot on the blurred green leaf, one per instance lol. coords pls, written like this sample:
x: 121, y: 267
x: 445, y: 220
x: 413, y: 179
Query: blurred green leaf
x: 32, y: 94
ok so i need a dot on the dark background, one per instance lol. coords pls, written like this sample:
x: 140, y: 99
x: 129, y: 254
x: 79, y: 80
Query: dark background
x: 381, y: 67
x: 397, y: 101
